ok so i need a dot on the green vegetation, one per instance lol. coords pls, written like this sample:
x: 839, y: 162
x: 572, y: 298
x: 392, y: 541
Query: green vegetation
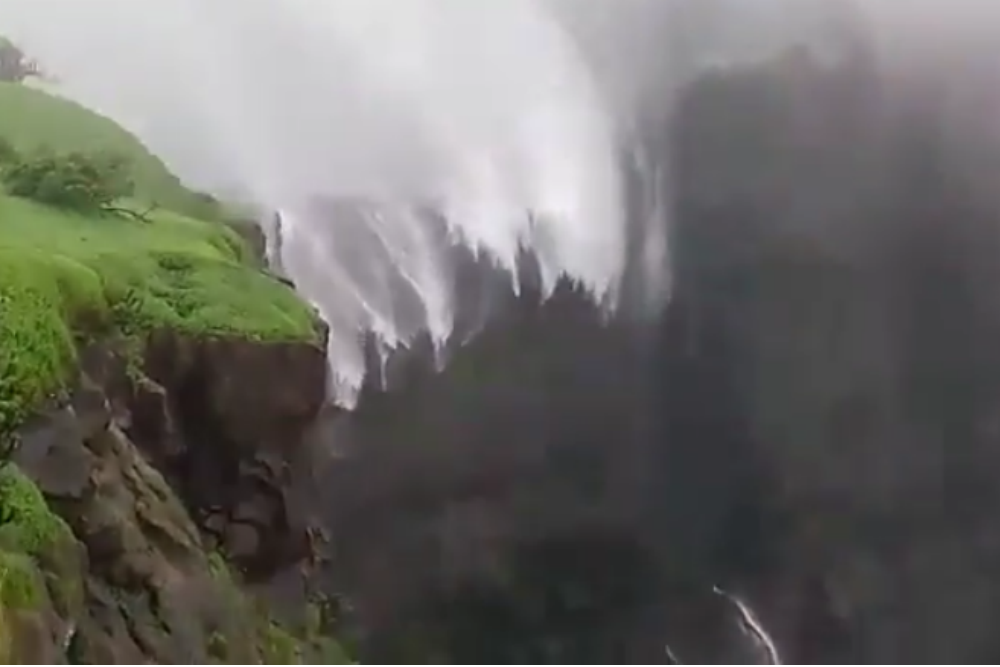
x: 65, y: 276
x: 33, y: 539
x: 27, y: 524
x: 78, y: 262
x: 81, y: 182
x: 269, y: 642
x: 21, y: 585
x: 62, y: 275
x: 21, y: 590
x: 32, y: 120
x: 29, y: 528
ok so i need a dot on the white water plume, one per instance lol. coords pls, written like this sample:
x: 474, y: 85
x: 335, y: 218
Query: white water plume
x: 484, y: 108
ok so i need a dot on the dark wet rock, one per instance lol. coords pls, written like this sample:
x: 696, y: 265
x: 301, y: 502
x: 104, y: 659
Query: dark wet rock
x: 449, y: 484
x: 255, y: 238
x: 814, y: 425
x: 243, y: 416
x: 144, y: 588
x: 228, y: 422
x: 152, y: 420
x: 829, y: 372
x: 50, y: 453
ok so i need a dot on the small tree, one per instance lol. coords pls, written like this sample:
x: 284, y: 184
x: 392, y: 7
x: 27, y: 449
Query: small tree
x: 15, y: 66
x: 8, y: 153
x: 76, y: 181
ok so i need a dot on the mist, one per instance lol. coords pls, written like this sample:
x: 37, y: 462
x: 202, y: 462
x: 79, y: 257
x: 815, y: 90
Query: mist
x: 805, y: 430
x: 508, y: 118
x: 487, y: 113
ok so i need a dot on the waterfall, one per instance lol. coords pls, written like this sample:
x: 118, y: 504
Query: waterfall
x: 351, y: 116
x: 508, y: 119
x: 753, y: 628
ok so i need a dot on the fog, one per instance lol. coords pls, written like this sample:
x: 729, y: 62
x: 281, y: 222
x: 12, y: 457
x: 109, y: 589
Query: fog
x: 488, y: 110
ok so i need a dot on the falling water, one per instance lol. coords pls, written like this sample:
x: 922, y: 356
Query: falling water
x: 350, y: 117
x: 386, y: 132
x: 753, y: 628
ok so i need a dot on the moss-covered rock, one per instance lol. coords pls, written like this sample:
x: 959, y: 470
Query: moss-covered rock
x: 251, y: 634
x: 66, y: 278
x: 152, y: 589
x: 41, y: 572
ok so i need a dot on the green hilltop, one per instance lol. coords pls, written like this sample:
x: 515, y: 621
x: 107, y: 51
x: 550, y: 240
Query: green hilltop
x: 164, y: 257
x: 65, y: 276
x: 31, y: 119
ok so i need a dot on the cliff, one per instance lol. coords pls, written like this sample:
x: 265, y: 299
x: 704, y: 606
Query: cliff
x: 159, y: 461
x: 828, y: 368
x: 811, y: 425
x: 145, y: 489
x: 157, y: 390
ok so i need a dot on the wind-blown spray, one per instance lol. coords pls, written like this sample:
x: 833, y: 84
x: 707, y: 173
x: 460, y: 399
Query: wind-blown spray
x: 509, y: 119
x: 484, y: 110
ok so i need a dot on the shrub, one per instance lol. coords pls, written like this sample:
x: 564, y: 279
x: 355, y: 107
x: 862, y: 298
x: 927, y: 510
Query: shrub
x: 8, y: 154
x: 76, y: 181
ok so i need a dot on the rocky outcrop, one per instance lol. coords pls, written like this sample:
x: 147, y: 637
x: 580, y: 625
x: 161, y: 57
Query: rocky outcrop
x: 228, y: 422
x: 148, y: 588
x: 222, y: 420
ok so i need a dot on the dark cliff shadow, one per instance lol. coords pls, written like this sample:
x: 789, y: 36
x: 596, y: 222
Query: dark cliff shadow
x: 813, y: 423
x: 461, y: 489
x: 829, y: 376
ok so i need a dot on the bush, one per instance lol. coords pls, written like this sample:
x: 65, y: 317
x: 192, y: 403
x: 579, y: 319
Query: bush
x: 8, y: 154
x: 76, y: 181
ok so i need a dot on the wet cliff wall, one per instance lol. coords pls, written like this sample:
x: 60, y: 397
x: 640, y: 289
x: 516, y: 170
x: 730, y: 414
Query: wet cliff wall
x: 810, y: 424
x: 828, y: 372
x: 168, y: 480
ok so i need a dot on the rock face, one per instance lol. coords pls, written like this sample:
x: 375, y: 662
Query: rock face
x: 463, y: 491
x: 829, y: 373
x: 812, y: 425
x: 142, y: 551
x: 222, y: 420
x: 227, y: 421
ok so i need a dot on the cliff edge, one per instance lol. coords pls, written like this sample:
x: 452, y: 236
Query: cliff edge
x: 156, y: 391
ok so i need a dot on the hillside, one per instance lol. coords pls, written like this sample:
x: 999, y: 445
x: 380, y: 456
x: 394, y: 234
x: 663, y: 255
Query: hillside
x: 64, y: 276
x: 32, y: 118
x: 107, y: 551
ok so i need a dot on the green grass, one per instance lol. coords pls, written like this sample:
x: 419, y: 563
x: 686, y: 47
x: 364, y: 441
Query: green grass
x: 31, y: 119
x: 40, y: 561
x: 254, y: 636
x: 63, y: 275
x: 31, y: 534
x: 67, y: 278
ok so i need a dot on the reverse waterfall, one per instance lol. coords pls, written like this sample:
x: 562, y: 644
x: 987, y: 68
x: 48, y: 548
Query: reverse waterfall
x: 352, y: 119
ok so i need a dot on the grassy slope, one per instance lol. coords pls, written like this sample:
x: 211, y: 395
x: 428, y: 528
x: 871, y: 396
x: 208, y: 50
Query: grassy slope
x: 59, y: 271
x: 64, y: 277
x: 30, y: 118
